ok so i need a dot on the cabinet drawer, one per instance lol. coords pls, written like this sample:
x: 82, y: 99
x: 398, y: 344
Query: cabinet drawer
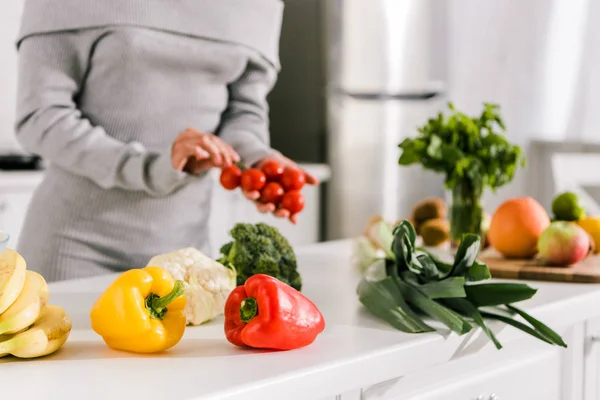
x: 524, y: 370
x: 531, y: 378
x: 592, y: 360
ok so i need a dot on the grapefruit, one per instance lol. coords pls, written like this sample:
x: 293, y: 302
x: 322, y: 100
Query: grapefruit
x: 516, y: 227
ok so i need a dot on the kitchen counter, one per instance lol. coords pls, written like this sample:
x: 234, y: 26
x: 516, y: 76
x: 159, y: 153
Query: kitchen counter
x: 355, y: 351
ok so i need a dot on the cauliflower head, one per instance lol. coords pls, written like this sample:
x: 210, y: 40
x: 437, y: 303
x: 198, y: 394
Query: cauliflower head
x: 207, y: 282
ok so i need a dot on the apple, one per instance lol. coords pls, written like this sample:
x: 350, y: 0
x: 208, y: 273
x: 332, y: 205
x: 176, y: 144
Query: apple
x: 563, y: 243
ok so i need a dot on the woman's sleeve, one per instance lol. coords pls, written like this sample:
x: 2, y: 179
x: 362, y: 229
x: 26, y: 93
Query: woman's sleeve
x: 51, y: 71
x: 245, y: 123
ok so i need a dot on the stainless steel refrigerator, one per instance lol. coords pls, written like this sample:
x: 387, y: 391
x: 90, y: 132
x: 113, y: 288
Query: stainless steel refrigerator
x: 385, y: 76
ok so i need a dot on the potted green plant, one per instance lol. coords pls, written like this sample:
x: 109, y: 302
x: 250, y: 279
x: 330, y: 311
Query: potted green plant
x: 473, y: 153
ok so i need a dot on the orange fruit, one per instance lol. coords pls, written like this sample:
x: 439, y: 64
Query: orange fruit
x: 516, y: 227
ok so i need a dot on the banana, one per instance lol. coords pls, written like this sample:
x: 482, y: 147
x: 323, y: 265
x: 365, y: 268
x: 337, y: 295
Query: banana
x: 48, y: 334
x: 12, y: 277
x: 26, y: 309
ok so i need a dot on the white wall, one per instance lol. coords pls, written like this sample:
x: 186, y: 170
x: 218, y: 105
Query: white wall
x: 527, y: 56
x: 10, y: 15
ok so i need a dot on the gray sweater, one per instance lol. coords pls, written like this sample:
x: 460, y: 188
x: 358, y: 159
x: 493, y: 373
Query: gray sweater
x: 104, y: 88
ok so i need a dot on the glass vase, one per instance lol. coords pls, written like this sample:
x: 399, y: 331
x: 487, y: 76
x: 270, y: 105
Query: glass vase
x: 466, y: 212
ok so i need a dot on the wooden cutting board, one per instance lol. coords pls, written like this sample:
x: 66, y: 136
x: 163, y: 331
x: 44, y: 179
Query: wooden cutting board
x: 586, y: 271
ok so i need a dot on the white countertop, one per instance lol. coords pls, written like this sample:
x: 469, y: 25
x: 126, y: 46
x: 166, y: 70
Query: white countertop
x: 28, y: 180
x: 355, y: 350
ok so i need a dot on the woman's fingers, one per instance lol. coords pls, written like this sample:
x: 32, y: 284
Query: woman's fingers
x: 194, y: 151
x: 211, y: 147
x: 294, y: 219
x: 229, y: 154
x: 282, y: 213
x: 252, y: 195
x: 265, y: 208
x: 310, y: 179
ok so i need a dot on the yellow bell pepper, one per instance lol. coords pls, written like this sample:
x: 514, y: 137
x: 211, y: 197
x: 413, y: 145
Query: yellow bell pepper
x: 141, y: 311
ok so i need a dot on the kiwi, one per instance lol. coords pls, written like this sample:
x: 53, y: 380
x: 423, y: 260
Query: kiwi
x: 429, y: 208
x: 435, y: 231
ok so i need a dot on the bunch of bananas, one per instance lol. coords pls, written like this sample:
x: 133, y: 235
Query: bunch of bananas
x: 29, y: 326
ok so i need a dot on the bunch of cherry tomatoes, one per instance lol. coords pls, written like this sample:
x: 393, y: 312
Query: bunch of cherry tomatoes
x: 277, y: 185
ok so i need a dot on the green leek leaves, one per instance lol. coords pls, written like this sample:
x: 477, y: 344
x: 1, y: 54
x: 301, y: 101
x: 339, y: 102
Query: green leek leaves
x: 413, y: 285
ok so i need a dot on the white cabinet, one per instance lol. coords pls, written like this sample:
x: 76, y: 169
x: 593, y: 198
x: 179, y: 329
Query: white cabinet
x: 535, y: 377
x: 527, y: 369
x: 592, y: 360
x: 523, y: 372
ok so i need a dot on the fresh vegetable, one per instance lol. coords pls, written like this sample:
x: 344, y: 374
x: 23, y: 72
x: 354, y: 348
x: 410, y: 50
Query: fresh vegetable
x: 47, y: 335
x: 141, y: 311
x: 207, y: 283
x: 472, y: 153
x: 564, y: 243
x: 26, y: 309
x: 412, y: 283
x: 12, y: 277
x: 293, y: 179
x: 260, y: 249
x: 272, y: 170
x: 231, y: 177
x: 253, y: 179
x: 272, y: 193
x: 379, y: 234
x: 567, y: 207
x: 266, y: 313
x: 293, y: 201
x: 277, y: 185
x: 365, y: 253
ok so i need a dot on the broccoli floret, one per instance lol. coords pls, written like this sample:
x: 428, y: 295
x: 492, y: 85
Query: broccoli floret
x: 261, y: 249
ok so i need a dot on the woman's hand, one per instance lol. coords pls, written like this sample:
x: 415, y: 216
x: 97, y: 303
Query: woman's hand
x: 269, y: 207
x: 194, y: 152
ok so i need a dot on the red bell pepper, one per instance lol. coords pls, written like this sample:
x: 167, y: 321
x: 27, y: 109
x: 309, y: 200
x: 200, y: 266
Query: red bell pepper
x: 266, y: 313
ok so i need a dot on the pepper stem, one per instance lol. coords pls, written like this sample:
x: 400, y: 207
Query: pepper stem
x: 157, y: 306
x: 248, y: 309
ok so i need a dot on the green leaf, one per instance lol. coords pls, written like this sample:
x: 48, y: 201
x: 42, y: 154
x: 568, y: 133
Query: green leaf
x: 464, y: 307
x: 516, y: 324
x: 409, y: 231
x: 465, y: 147
x: 466, y: 254
x: 403, y: 246
x: 446, y: 288
x: 495, y: 294
x: 429, y: 269
x: 539, y: 326
x: 433, y: 150
x: 408, y: 157
x: 384, y: 300
x: 478, y: 272
x: 435, y: 310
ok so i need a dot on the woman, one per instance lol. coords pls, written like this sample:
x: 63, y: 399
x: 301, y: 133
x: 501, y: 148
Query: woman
x: 131, y: 102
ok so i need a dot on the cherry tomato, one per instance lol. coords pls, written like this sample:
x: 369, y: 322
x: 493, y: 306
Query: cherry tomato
x: 273, y: 170
x: 272, y: 193
x: 293, y: 201
x: 293, y: 179
x: 231, y: 177
x: 253, y: 179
